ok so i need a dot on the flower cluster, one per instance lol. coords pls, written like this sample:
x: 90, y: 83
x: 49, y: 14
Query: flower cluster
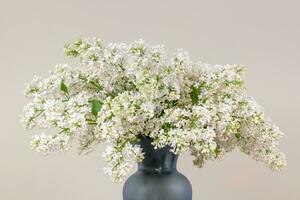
x: 120, y: 93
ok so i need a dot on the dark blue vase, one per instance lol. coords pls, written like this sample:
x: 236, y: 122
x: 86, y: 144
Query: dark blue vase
x: 157, y: 177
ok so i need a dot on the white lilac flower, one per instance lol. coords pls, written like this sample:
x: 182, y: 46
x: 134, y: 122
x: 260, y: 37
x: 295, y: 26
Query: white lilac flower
x: 119, y: 92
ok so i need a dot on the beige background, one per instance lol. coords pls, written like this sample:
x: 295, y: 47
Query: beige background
x: 263, y: 35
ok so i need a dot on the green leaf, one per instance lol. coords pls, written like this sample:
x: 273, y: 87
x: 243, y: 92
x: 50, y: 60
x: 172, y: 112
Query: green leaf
x: 135, y: 139
x: 171, y: 103
x: 167, y: 127
x: 194, y: 120
x: 71, y: 53
x: 238, y: 136
x: 63, y: 87
x: 218, y: 151
x: 196, y: 91
x: 96, y: 107
x: 195, y: 94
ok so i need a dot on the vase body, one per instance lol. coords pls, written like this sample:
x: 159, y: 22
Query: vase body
x: 157, y: 177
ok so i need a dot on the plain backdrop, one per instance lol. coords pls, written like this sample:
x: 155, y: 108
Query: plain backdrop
x: 261, y: 34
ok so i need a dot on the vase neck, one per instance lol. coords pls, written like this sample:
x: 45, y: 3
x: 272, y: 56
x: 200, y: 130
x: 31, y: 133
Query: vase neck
x: 156, y: 160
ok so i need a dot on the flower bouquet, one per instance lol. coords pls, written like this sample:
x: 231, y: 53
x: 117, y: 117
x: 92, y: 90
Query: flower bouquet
x: 119, y: 94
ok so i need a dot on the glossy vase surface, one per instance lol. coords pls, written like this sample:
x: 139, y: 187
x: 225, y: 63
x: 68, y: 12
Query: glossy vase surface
x: 157, y: 177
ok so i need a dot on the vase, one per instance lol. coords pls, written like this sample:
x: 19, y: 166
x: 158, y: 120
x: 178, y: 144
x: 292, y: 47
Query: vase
x: 157, y: 177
